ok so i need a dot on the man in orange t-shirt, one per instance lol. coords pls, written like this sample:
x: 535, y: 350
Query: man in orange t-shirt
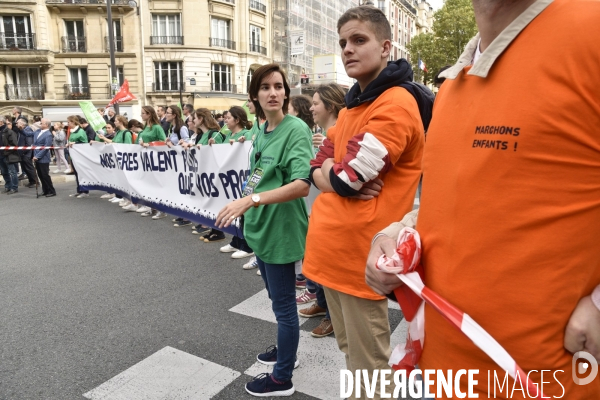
x: 510, y: 212
x: 368, y: 169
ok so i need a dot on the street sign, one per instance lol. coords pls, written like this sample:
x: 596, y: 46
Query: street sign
x: 297, y: 42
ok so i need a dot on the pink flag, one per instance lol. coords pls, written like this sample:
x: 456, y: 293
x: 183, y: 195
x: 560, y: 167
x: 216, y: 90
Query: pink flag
x: 123, y: 95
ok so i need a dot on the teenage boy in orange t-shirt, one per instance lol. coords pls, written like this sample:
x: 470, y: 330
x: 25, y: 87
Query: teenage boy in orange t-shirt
x: 368, y: 170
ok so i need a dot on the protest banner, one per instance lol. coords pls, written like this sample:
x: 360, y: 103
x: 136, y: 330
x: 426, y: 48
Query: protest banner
x: 194, y: 184
x: 92, y: 115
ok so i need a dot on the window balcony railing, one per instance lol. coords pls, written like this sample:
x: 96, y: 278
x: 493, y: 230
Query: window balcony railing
x: 166, y: 39
x: 72, y: 44
x: 167, y: 86
x: 17, y: 41
x: 118, y: 44
x: 223, y: 87
x: 77, y: 92
x: 258, y: 48
x: 257, y: 5
x: 114, y: 2
x: 227, y: 1
x: 216, y: 42
x: 24, y: 92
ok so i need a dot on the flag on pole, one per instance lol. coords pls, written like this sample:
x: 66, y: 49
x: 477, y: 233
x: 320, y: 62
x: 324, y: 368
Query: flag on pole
x: 123, y: 95
x: 92, y: 115
x: 422, y: 65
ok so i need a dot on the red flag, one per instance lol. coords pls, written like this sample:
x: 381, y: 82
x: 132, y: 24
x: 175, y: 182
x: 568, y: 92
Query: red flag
x: 123, y: 95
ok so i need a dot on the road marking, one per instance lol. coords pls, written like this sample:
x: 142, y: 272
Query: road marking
x: 168, y: 373
x: 259, y: 307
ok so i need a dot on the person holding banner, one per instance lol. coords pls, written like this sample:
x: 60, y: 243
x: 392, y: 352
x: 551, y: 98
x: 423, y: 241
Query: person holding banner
x: 276, y: 218
x: 177, y: 129
x: 152, y: 132
x: 238, y: 124
x: 77, y: 135
x: 122, y: 135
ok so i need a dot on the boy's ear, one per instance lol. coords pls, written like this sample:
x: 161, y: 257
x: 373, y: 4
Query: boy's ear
x: 387, y: 48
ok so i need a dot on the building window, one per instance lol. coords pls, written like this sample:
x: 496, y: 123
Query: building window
x: 16, y: 32
x: 249, y: 77
x: 221, y: 78
x: 24, y: 84
x: 78, y: 88
x: 117, y: 35
x: 220, y: 33
x: 167, y: 75
x: 75, y: 39
x: 256, y: 43
x: 166, y: 29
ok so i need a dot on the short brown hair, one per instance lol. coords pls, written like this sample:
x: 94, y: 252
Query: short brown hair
x: 374, y: 16
x: 207, y: 118
x: 332, y: 95
x: 122, y: 120
x: 73, y: 119
x: 302, y: 105
x: 259, y: 75
x: 240, y: 114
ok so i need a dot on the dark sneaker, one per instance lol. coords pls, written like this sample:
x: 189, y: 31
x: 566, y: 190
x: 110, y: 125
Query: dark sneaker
x: 215, y: 237
x: 300, y: 283
x: 12, y: 192
x: 22, y: 177
x: 269, y: 357
x: 177, y: 219
x: 30, y: 185
x: 182, y: 223
x: 324, y: 329
x: 263, y: 385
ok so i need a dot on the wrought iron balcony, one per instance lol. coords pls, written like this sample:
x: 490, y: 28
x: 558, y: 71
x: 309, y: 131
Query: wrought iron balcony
x: 118, y: 44
x: 257, y: 5
x: 72, y: 44
x: 215, y: 42
x: 258, y: 48
x: 223, y: 87
x: 17, y: 41
x: 227, y: 1
x: 168, y: 86
x: 166, y: 39
x: 77, y: 92
x: 114, y: 2
x: 24, y: 92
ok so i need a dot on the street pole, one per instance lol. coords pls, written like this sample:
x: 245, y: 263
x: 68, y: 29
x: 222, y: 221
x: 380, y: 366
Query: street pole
x: 111, y: 49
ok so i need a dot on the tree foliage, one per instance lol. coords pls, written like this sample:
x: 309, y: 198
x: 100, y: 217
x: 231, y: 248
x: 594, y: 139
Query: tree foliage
x: 453, y: 27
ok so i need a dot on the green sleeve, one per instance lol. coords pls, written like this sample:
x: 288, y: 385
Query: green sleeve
x: 158, y: 133
x: 219, y: 137
x: 98, y: 139
x: 298, y: 153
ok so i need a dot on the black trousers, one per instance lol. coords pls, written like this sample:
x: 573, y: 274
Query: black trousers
x: 27, y: 166
x: 43, y: 171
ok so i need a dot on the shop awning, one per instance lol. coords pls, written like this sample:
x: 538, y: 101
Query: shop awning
x: 217, y: 103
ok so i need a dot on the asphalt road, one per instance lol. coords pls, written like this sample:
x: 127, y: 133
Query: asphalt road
x: 87, y: 290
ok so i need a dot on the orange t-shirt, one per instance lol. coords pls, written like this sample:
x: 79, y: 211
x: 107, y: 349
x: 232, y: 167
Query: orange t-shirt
x: 340, y: 229
x: 510, y: 211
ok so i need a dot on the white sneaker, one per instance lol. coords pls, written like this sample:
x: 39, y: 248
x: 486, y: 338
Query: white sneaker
x: 74, y: 195
x: 56, y: 171
x: 68, y: 171
x: 147, y: 213
x: 115, y: 200
x: 143, y: 209
x: 258, y: 272
x: 130, y: 207
x: 159, y: 215
x: 107, y: 196
x: 228, y: 249
x: 241, y: 254
x: 83, y: 195
x: 251, y: 264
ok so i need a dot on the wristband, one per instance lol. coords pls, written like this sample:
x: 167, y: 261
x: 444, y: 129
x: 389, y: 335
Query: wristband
x: 596, y: 297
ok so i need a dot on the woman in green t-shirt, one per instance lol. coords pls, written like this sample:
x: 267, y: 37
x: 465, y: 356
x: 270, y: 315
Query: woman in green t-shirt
x: 122, y: 135
x: 237, y: 122
x: 276, y: 217
x: 152, y: 132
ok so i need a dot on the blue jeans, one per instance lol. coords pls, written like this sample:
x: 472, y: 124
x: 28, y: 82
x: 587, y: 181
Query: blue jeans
x: 4, y: 169
x: 13, y: 172
x: 280, y: 281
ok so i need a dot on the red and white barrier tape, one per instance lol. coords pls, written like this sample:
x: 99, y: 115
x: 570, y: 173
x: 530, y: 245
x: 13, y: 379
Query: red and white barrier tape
x: 406, y: 265
x: 29, y: 147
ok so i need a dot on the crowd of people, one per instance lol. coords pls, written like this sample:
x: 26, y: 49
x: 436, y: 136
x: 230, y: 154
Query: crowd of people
x: 508, y: 232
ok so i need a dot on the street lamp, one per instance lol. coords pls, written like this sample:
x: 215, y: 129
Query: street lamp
x: 111, y: 48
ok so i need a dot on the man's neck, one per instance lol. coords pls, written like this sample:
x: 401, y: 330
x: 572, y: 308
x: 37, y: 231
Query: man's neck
x: 493, y: 16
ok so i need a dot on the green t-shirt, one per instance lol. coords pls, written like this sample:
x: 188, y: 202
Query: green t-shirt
x: 236, y: 136
x: 203, y: 138
x: 123, y: 136
x: 253, y: 132
x: 154, y: 133
x: 78, y: 136
x: 277, y: 232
